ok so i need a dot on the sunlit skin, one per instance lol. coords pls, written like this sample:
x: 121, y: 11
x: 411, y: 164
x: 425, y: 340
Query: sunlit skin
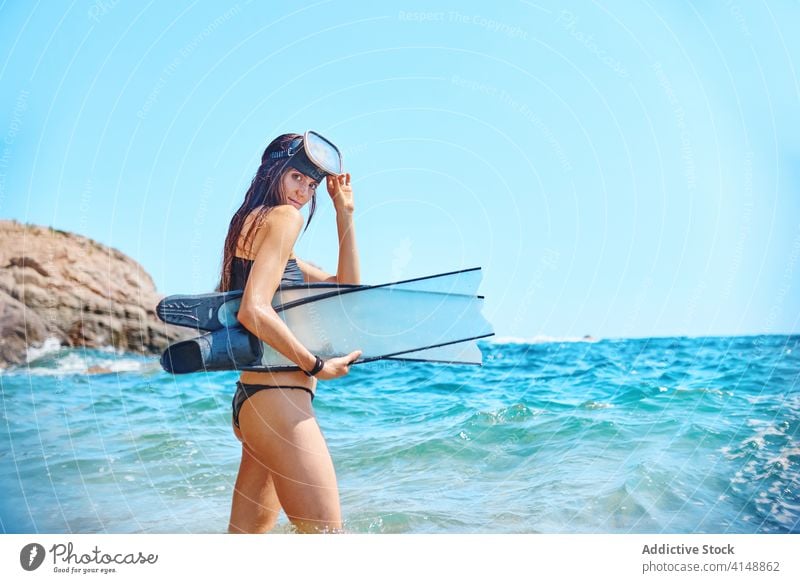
x: 298, y: 189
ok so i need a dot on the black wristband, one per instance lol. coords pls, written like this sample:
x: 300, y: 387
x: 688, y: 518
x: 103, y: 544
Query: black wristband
x: 319, y: 364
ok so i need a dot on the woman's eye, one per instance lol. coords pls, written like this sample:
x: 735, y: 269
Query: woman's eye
x: 313, y: 185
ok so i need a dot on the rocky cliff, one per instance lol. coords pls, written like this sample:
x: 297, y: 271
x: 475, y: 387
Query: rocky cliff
x: 60, y: 285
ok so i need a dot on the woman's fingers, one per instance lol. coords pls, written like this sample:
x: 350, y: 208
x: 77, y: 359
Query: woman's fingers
x: 353, y: 356
x: 339, y: 366
x: 335, y: 185
x: 343, y: 179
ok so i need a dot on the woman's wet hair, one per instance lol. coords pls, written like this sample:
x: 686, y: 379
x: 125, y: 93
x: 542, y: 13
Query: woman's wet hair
x: 263, y: 195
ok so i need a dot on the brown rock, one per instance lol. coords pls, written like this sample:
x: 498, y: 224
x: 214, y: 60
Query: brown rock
x: 20, y: 327
x: 95, y: 369
x: 62, y: 285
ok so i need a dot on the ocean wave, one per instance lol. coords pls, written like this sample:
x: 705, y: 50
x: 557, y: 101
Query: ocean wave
x: 541, y: 339
x: 51, y: 359
x: 512, y: 414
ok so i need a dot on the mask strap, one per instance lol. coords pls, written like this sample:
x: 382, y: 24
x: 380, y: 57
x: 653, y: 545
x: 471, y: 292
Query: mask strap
x: 294, y: 147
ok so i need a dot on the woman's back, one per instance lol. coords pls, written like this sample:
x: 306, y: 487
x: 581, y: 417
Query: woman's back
x: 240, y: 271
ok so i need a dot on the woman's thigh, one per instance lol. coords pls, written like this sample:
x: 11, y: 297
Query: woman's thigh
x: 279, y: 427
x: 255, y: 506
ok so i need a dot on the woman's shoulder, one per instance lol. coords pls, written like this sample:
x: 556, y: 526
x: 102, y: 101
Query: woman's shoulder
x: 262, y: 217
x: 259, y: 222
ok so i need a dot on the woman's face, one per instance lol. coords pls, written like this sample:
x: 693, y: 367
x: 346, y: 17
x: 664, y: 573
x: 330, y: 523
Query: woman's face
x: 297, y: 188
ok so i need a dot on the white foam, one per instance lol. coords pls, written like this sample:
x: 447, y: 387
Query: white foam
x: 75, y: 361
x: 597, y: 405
x: 763, y: 430
x: 782, y: 459
x: 49, y: 346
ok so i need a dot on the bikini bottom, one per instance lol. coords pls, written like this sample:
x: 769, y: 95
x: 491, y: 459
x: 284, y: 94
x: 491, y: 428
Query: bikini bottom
x: 244, y: 392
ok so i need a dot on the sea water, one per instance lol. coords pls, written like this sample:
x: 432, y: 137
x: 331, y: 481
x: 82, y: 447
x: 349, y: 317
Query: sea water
x: 672, y: 435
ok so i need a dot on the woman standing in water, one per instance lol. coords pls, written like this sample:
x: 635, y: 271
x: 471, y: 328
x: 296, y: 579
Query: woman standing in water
x: 285, y: 461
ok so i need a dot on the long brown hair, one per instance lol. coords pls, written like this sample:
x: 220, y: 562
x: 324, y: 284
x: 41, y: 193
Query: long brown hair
x: 263, y: 195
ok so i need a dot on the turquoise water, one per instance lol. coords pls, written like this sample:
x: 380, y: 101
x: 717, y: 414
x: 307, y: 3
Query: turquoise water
x: 617, y: 436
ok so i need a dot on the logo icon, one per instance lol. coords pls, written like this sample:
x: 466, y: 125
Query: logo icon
x: 31, y: 556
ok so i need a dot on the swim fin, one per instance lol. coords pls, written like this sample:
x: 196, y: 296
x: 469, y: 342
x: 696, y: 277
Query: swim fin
x: 213, y: 311
x: 224, y: 349
x: 420, y: 319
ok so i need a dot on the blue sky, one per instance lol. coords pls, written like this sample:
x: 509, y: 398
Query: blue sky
x: 617, y: 169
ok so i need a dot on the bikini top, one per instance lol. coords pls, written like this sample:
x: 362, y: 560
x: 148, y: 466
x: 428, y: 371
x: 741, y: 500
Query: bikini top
x: 241, y: 271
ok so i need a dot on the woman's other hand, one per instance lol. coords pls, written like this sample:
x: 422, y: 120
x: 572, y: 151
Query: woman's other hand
x: 341, y: 192
x: 338, y: 367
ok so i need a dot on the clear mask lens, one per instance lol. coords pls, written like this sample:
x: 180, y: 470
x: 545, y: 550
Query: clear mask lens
x: 322, y: 153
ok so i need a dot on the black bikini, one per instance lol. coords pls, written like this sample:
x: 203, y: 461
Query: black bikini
x: 240, y: 272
